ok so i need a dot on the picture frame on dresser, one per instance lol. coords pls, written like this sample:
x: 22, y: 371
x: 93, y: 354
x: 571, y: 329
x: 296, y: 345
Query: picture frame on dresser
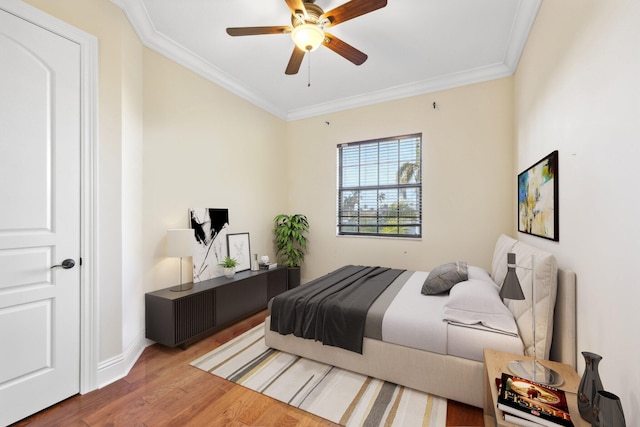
x: 239, y: 248
x: 538, y: 199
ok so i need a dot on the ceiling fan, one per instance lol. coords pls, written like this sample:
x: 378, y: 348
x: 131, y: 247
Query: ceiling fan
x: 308, y: 22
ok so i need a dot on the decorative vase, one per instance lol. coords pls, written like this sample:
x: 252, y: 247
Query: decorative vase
x: 607, y: 410
x: 590, y: 384
x: 229, y: 272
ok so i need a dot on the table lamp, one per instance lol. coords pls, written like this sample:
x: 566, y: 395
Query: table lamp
x: 180, y: 243
x: 511, y: 289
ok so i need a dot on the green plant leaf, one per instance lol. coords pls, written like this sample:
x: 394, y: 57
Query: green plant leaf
x: 229, y: 262
x: 289, y: 238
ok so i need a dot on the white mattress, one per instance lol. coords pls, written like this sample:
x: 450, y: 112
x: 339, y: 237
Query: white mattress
x: 415, y: 320
x: 469, y: 342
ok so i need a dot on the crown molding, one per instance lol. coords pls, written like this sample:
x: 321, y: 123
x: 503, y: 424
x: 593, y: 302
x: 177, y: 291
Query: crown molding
x: 525, y: 17
x: 151, y: 38
x: 437, y: 84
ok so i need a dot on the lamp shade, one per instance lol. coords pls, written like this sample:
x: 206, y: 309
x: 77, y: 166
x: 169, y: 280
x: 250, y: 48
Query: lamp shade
x: 511, y: 288
x: 307, y: 37
x: 180, y: 242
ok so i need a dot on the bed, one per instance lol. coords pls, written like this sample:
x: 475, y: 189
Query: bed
x: 434, y: 343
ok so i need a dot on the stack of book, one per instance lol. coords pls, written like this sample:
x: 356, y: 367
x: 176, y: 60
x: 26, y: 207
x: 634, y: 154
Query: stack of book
x: 267, y: 265
x: 528, y: 403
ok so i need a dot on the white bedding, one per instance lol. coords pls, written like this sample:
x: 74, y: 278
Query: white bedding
x: 416, y: 321
x: 461, y: 322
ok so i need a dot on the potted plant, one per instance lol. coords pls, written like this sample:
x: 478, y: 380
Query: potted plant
x: 229, y: 266
x: 291, y: 243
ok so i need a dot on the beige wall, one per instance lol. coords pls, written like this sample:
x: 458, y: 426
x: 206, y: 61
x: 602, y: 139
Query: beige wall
x: 204, y: 147
x: 577, y: 91
x: 132, y: 188
x: 468, y: 187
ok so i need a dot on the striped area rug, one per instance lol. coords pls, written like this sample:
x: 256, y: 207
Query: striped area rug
x: 340, y: 396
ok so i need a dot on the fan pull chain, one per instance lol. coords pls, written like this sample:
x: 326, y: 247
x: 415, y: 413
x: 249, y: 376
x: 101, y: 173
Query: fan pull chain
x: 309, y: 69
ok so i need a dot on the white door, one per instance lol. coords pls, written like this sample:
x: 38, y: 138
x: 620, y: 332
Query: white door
x: 39, y: 218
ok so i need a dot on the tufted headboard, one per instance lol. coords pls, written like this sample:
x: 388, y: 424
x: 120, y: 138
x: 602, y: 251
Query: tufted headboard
x: 555, y: 300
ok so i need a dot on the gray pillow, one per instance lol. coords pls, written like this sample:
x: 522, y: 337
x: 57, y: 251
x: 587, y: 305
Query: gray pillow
x: 443, y: 277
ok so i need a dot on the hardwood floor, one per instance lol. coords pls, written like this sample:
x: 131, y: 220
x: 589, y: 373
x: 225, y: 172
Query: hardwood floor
x: 163, y: 390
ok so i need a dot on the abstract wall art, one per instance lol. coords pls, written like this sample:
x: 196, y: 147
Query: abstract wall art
x: 538, y: 199
x: 210, y: 228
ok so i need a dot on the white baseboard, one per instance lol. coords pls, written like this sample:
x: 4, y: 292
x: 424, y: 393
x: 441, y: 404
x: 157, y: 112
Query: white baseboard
x: 118, y: 367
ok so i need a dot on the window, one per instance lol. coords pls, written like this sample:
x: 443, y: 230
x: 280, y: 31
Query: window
x: 380, y: 187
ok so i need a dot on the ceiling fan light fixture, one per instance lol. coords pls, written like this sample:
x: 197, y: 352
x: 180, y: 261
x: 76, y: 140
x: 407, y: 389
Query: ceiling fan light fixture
x: 307, y: 37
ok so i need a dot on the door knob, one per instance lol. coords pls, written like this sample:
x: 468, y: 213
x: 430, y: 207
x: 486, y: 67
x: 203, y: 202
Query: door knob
x: 66, y: 264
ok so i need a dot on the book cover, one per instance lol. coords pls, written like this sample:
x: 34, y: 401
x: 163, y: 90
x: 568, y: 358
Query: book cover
x: 534, y: 402
x: 513, y: 418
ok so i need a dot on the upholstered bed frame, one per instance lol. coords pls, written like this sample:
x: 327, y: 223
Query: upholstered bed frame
x: 448, y: 376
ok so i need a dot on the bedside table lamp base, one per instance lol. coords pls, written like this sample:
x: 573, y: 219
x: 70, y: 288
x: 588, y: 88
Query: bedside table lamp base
x: 535, y: 371
x: 180, y: 245
x: 181, y: 288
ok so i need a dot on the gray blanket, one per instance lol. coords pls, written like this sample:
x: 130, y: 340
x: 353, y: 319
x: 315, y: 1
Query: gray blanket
x: 333, y: 308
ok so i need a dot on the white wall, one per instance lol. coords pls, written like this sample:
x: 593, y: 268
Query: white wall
x: 578, y: 91
x: 132, y: 189
x: 467, y: 181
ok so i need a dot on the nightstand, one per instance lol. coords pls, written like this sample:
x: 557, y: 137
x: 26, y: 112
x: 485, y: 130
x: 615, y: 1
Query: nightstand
x: 495, y: 363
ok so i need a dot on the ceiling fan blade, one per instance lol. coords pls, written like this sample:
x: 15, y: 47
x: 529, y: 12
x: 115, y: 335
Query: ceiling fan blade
x: 295, y: 61
x: 255, y: 31
x: 344, y: 49
x: 297, y: 7
x: 351, y: 10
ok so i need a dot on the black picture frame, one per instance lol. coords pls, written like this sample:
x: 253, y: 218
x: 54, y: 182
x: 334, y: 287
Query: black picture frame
x: 239, y: 247
x: 538, y: 212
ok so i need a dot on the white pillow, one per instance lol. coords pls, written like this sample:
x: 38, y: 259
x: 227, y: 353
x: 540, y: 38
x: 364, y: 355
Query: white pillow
x: 479, y: 273
x: 477, y: 301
